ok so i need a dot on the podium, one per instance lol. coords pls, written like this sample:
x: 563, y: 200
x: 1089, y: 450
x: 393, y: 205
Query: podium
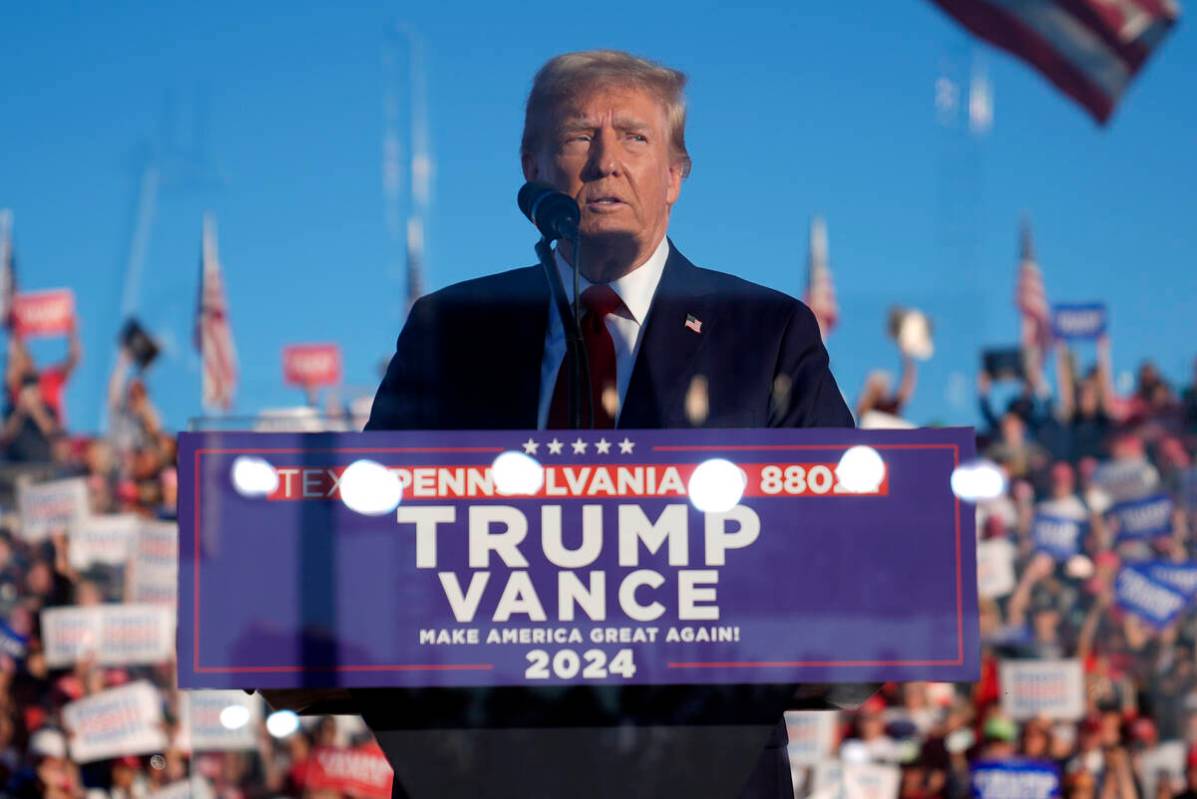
x: 575, y: 613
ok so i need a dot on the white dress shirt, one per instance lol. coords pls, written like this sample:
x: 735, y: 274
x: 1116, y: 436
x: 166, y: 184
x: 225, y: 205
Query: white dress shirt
x: 636, y: 289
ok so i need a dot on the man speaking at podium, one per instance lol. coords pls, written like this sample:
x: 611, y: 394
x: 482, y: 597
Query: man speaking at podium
x: 669, y: 344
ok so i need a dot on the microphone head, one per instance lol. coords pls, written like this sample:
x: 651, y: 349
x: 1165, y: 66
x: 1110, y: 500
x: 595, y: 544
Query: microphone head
x: 555, y: 214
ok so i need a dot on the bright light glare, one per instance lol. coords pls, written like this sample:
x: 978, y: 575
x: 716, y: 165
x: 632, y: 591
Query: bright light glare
x: 369, y: 488
x: 234, y: 717
x: 860, y: 470
x: 282, y: 723
x: 253, y: 476
x: 517, y: 473
x: 981, y: 479
x: 716, y: 485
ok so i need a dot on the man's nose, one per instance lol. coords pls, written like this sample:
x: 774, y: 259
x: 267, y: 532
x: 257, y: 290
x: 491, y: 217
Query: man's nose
x: 603, y: 160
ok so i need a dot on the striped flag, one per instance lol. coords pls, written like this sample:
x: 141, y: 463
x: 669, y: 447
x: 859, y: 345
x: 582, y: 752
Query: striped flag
x: 213, y: 336
x: 8, y: 269
x: 820, y: 292
x: 1090, y: 49
x: 1029, y: 295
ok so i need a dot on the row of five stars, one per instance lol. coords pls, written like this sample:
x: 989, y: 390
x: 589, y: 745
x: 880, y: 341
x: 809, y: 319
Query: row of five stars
x: 601, y: 447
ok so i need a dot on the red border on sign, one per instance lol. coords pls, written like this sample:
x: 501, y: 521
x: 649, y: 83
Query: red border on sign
x: 198, y: 669
x: 775, y: 664
x: 401, y: 667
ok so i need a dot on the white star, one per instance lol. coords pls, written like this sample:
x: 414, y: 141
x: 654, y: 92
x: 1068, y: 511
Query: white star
x: 602, y: 446
x: 530, y: 446
x: 555, y: 447
x: 579, y: 446
x: 625, y: 446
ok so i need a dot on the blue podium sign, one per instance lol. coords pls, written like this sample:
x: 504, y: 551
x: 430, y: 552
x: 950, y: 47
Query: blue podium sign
x: 595, y: 557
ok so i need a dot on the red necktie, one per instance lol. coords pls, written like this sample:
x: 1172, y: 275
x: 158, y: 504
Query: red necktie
x: 597, y: 301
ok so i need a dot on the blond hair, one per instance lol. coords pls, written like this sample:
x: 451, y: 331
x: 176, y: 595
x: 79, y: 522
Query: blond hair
x: 569, y: 75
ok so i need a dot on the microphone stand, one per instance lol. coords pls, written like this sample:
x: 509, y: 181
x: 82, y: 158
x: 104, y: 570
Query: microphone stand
x: 575, y: 350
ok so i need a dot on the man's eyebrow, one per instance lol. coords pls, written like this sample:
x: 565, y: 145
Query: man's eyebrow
x: 579, y: 122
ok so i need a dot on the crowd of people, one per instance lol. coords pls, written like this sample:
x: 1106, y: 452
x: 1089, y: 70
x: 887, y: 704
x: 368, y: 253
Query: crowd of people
x: 1075, y: 452
x: 128, y: 469
x: 1135, y: 737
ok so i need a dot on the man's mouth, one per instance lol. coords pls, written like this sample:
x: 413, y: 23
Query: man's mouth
x: 604, y: 202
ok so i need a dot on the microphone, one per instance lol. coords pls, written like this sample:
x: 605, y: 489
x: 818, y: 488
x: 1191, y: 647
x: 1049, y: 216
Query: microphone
x: 554, y: 213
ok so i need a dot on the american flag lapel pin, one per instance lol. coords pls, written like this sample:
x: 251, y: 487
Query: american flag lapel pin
x: 694, y: 323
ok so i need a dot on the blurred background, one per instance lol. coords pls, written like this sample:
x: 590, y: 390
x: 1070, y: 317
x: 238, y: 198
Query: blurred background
x: 998, y: 237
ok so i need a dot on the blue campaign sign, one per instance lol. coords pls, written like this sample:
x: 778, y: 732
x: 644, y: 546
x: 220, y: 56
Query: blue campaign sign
x: 1015, y: 779
x: 1058, y: 536
x: 1181, y: 576
x: 1156, y: 602
x: 1079, y: 320
x: 1143, y: 519
x: 563, y: 557
x: 12, y: 643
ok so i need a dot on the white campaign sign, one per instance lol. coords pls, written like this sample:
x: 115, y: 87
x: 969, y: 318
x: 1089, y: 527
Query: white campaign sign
x: 194, y: 788
x: 154, y: 564
x: 839, y: 780
x: 200, y: 716
x: 102, y: 539
x: 1052, y: 688
x: 812, y: 736
x: 57, y: 506
x: 116, y: 635
x: 995, y: 568
x: 119, y: 721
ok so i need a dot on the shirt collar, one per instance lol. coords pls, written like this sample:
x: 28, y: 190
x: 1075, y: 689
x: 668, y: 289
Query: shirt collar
x: 636, y: 288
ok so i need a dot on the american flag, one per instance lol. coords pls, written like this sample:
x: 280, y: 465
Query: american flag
x: 1030, y: 296
x: 820, y: 292
x: 213, y: 337
x: 1090, y: 49
x: 8, y: 269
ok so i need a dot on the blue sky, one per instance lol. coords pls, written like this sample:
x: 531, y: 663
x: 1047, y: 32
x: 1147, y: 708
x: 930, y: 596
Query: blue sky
x: 794, y: 110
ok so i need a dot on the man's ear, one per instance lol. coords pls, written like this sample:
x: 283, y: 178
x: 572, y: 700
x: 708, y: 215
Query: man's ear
x: 531, y: 172
x: 676, y: 172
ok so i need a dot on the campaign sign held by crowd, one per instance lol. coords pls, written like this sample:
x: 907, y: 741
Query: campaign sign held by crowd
x: 12, y: 643
x: 44, y: 313
x: 1079, y: 320
x: 312, y: 364
x: 812, y: 736
x: 119, y: 721
x: 115, y: 635
x: 361, y: 772
x: 1015, y: 779
x: 195, y: 788
x: 1136, y: 589
x: 1058, y: 536
x: 1181, y: 576
x: 1052, y: 688
x: 152, y: 575
x: 562, y: 557
x: 102, y: 539
x: 53, y: 507
x: 1143, y: 519
x: 202, y: 729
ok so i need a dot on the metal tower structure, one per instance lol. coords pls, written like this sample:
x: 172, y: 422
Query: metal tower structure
x: 404, y: 77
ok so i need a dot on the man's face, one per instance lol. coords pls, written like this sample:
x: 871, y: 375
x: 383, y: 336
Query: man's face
x: 609, y: 149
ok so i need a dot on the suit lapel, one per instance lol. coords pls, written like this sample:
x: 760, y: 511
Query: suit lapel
x: 512, y: 354
x: 665, y: 362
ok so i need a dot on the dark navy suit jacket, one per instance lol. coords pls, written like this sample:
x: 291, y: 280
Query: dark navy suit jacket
x: 470, y: 356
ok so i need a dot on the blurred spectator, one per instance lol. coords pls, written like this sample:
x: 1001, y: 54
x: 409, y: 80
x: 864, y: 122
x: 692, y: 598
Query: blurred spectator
x: 878, y: 396
x: 133, y: 422
x: 51, y: 380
